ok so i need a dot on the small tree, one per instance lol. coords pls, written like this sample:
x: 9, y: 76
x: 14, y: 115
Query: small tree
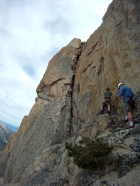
x: 90, y: 155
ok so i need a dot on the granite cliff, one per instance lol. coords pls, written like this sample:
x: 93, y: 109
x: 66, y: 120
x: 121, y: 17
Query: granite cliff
x: 36, y: 154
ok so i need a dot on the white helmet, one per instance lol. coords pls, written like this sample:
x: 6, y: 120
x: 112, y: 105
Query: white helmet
x: 120, y: 84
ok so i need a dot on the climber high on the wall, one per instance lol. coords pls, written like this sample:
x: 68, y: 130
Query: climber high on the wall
x: 107, y: 98
x: 70, y: 92
x: 128, y: 102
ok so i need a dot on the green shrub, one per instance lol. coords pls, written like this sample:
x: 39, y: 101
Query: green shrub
x: 90, y: 155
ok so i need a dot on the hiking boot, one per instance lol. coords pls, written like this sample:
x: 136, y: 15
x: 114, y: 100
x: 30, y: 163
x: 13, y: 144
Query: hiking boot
x: 129, y: 127
x: 126, y: 120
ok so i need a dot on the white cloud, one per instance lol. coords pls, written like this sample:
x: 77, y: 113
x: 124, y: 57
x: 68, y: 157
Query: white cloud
x: 31, y: 33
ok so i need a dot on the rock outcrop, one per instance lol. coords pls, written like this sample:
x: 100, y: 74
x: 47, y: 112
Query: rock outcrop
x: 111, y: 55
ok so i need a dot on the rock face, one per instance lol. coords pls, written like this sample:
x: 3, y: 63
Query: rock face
x: 5, y: 134
x: 111, y: 55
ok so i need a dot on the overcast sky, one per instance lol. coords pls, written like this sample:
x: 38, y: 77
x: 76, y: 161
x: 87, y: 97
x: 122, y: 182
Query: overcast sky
x: 31, y: 33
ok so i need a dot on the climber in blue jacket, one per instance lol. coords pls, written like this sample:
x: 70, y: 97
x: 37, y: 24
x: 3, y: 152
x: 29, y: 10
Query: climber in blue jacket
x: 127, y: 94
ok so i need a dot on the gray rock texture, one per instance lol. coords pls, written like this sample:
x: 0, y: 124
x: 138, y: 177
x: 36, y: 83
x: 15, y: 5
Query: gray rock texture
x: 37, y: 150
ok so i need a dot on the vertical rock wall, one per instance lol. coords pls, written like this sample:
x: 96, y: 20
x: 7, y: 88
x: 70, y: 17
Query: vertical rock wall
x: 111, y: 55
x: 48, y: 123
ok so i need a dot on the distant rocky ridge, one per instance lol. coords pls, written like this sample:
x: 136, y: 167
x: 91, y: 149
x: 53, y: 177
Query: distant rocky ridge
x: 5, y: 134
x: 36, y: 154
x: 10, y: 126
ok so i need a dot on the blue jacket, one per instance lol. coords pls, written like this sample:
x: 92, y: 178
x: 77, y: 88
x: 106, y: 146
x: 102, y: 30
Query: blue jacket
x: 126, y: 92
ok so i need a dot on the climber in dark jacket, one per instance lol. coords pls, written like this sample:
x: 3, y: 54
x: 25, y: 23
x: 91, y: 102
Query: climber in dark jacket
x: 70, y: 92
x: 107, y: 98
